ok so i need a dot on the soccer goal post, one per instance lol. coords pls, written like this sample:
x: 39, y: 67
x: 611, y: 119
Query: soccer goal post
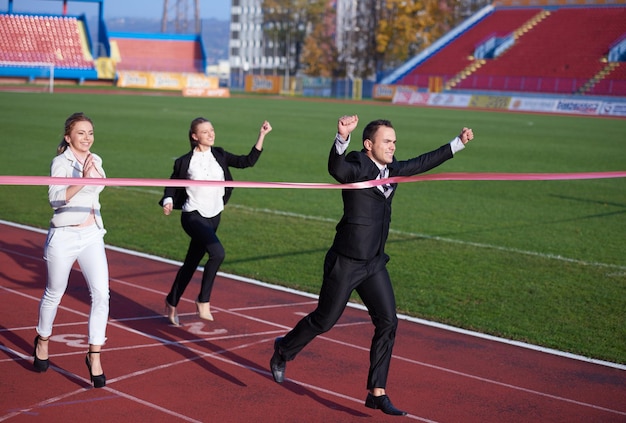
x: 29, y: 69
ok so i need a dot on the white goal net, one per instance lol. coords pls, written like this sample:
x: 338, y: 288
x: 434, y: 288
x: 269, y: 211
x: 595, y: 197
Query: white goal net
x: 37, y: 70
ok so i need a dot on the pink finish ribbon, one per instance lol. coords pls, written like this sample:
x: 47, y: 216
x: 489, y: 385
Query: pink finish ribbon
x: 48, y: 180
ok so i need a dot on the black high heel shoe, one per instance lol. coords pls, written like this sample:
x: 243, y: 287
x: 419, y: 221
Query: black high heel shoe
x: 39, y: 364
x: 98, y: 380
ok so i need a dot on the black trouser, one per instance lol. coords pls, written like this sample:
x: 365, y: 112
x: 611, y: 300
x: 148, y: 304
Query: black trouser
x: 371, y: 281
x: 203, y: 240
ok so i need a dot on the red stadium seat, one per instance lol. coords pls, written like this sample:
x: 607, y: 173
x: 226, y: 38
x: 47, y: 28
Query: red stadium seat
x: 560, y: 54
x: 43, y: 39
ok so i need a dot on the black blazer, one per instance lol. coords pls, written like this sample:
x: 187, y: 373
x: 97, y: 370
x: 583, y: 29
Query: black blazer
x: 225, y: 160
x: 364, y: 227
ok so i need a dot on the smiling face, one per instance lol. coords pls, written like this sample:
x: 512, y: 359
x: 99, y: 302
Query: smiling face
x: 80, y: 138
x: 204, y: 135
x: 381, y: 146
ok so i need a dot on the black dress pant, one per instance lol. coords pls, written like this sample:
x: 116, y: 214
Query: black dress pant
x: 371, y: 280
x: 203, y: 240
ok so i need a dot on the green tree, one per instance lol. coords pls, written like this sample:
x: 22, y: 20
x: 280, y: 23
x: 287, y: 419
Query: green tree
x: 406, y: 27
x: 382, y: 34
x: 319, y: 56
x: 401, y: 22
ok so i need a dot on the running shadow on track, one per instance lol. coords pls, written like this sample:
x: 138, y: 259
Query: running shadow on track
x: 27, y: 271
x: 123, y: 307
x: 170, y: 336
x: 29, y: 258
x: 28, y: 364
x: 301, y: 390
x: 13, y: 338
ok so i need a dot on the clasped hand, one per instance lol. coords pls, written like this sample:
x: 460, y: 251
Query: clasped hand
x: 89, y: 168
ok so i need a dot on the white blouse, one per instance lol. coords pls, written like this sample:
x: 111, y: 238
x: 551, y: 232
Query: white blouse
x: 77, y: 209
x: 207, y: 200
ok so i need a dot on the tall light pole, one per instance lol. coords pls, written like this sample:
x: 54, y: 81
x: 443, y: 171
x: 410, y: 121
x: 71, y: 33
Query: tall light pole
x: 182, y: 15
x: 287, y: 63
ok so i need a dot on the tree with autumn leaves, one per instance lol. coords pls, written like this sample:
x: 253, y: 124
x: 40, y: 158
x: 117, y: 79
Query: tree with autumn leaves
x: 385, y: 33
x: 407, y: 27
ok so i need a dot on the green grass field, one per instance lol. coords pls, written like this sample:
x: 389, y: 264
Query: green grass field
x: 539, y: 261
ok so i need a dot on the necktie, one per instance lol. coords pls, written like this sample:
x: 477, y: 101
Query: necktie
x: 386, y: 188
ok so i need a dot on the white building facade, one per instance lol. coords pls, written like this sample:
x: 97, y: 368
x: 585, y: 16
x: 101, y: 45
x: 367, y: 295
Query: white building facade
x: 250, y: 52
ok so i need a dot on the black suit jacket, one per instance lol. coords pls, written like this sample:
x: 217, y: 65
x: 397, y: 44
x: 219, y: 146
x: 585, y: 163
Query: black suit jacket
x: 364, y: 227
x: 225, y: 160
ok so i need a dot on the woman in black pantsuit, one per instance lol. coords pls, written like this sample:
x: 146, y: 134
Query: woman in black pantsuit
x: 201, y: 209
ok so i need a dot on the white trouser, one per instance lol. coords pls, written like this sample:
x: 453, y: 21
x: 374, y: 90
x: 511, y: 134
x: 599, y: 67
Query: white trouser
x: 63, y: 247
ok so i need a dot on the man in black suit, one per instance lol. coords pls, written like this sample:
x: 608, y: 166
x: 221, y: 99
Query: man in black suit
x: 357, y: 259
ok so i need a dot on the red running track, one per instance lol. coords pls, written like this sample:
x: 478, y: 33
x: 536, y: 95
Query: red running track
x: 218, y: 371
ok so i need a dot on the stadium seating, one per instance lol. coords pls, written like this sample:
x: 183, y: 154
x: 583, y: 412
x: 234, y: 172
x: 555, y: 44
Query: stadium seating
x: 44, y: 39
x: 158, y: 55
x: 29, y: 41
x: 560, y: 54
x: 614, y: 83
x: 454, y: 57
x: 563, y: 52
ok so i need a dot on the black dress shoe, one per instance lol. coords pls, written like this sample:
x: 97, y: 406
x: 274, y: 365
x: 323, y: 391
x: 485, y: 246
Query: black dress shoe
x: 277, y: 363
x: 384, y: 404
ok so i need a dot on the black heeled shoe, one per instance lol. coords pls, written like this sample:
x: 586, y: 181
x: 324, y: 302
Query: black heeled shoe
x: 98, y: 380
x: 39, y: 364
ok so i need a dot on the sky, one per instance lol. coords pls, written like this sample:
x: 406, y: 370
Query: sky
x: 218, y: 9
